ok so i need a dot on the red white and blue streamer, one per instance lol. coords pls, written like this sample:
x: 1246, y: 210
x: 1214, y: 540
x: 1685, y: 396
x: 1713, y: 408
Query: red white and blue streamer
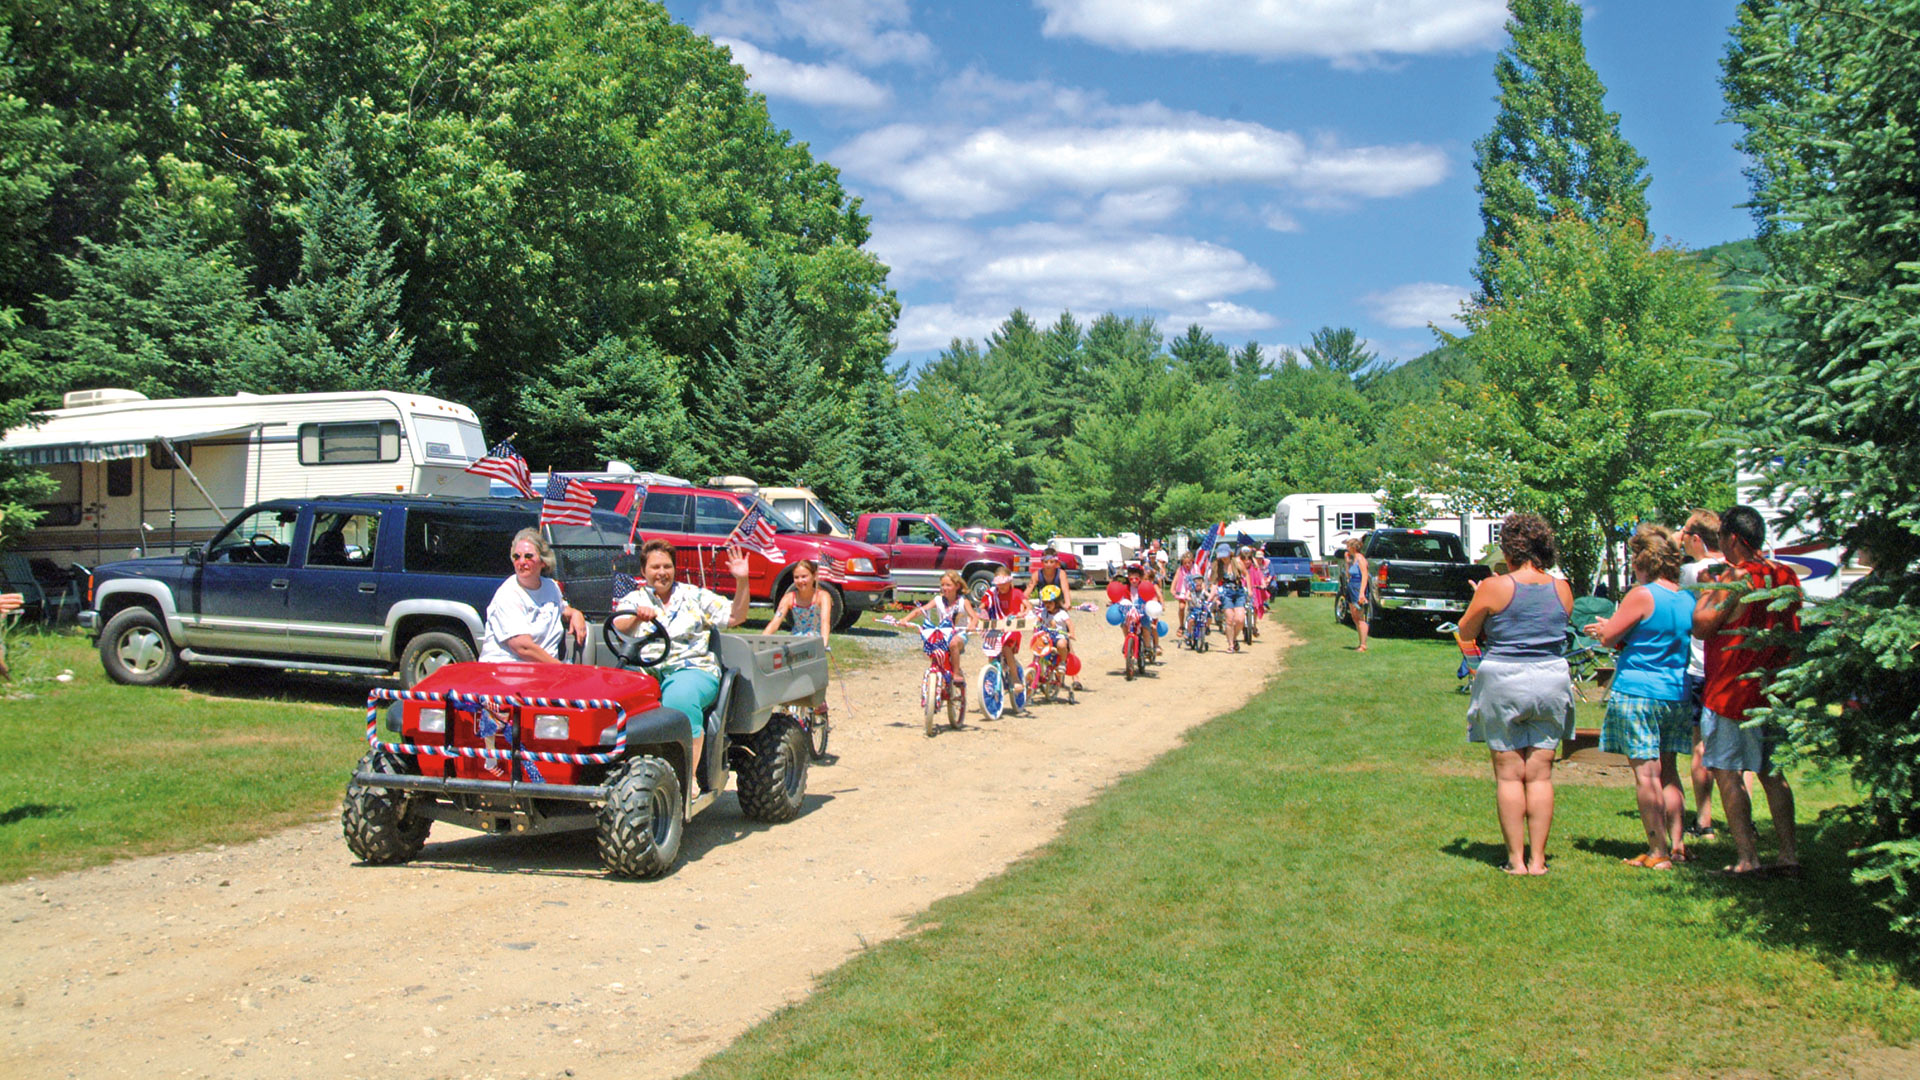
x: 470, y: 702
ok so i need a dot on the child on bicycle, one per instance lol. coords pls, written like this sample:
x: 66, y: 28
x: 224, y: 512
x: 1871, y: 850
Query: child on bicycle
x: 950, y: 608
x: 1137, y: 589
x: 1053, y: 627
x: 1183, y: 582
x: 810, y: 607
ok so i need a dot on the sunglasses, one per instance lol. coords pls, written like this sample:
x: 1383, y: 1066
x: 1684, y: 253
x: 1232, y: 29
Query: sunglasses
x: 520, y: 557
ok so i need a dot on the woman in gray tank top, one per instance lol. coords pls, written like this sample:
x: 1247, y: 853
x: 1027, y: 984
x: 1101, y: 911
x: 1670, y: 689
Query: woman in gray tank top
x: 1522, y: 702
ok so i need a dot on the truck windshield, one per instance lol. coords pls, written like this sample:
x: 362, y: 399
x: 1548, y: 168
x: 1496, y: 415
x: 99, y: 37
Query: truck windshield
x: 1417, y: 547
x: 833, y: 520
x: 952, y: 534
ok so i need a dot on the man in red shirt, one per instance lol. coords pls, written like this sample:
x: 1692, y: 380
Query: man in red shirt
x: 1736, y: 682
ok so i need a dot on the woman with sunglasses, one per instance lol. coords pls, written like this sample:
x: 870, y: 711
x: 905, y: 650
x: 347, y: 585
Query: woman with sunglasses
x: 528, y: 617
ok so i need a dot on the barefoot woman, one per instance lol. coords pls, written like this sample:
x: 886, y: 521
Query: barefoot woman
x: 1523, y: 696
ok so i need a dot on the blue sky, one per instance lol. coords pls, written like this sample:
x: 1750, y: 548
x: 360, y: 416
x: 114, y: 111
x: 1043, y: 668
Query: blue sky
x: 1260, y: 167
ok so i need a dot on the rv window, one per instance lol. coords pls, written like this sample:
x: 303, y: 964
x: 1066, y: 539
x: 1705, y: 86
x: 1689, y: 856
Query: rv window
x: 715, y: 515
x: 1089, y: 551
x: 1348, y: 520
x: 450, y: 440
x: 342, y: 539
x: 262, y: 538
x: 664, y: 511
x: 160, y: 459
x: 350, y: 443
x: 794, y: 510
x: 56, y: 515
x: 442, y: 542
x: 119, y: 478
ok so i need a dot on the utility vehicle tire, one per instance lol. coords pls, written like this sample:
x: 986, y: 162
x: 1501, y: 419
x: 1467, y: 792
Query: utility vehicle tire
x: 427, y: 653
x: 379, y: 823
x: 135, y: 649
x: 643, y: 819
x: 773, y: 783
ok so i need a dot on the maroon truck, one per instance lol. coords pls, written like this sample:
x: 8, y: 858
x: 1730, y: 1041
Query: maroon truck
x: 1007, y: 538
x: 921, y: 547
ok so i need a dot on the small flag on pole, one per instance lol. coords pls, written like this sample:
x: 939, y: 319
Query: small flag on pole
x: 756, y: 533
x: 504, y: 463
x: 568, y: 502
x: 1204, y: 557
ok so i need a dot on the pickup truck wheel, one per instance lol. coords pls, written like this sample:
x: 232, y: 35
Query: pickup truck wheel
x: 429, y: 652
x: 1340, y: 605
x: 773, y: 781
x: 1376, y: 617
x: 978, y: 586
x: 643, y: 820
x: 135, y: 649
x: 379, y: 823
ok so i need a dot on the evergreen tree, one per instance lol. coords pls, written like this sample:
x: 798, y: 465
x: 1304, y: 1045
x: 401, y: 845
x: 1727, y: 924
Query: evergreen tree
x: 1204, y: 359
x: 1553, y: 144
x: 1250, y: 362
x: 617, y: 400
x: 1829, y: 97
x: 1342, y: 352
x: 339, y: 321
x: 162, y: 312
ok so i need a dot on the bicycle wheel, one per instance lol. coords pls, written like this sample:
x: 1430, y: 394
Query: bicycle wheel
x: 957, y: 705
x: 1017, y: 684
x: 932, y: 688
x: 993, y: 691
x: 819, y: 729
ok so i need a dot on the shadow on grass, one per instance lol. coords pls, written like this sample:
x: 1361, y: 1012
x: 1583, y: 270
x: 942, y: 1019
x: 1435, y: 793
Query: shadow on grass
x: 1820, y: 912
x: 29, y: 811
x: 268, y: 684
x: 1480, y: 851
x: 1610, y: 848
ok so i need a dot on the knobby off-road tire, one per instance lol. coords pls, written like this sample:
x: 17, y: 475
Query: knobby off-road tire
x: 427, y: 653
x: 135, y: 649
x: 380, y: 824
x: 643, y: 820
x: 773, y: 782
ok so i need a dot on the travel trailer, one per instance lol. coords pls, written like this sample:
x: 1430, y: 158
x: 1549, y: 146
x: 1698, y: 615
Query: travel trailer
x: 1327, y: 520
x: 140, y: 476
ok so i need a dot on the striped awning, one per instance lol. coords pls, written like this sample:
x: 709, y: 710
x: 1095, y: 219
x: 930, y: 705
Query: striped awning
x: 64, y: 439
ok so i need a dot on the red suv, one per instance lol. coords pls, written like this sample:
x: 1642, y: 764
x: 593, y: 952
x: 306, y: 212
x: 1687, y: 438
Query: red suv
x: 698, y: 520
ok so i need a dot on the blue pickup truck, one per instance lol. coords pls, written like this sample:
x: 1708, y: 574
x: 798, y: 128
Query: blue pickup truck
x: 1289, y: 567
x: 361, y: 584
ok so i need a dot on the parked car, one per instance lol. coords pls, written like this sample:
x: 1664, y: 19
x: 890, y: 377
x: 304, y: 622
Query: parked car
x: 1416, y: 572
x: 1007, y: 538
x: 921, y: 547
x: 1289, y: 567
x: 697, y: 521
x: 364, y: 584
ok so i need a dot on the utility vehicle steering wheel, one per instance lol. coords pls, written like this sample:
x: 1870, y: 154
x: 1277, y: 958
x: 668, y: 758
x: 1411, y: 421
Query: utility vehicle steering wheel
x: 647, y: 650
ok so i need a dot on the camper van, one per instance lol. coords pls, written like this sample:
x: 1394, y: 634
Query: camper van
x: 138, y: 476
x: 1326, y: 520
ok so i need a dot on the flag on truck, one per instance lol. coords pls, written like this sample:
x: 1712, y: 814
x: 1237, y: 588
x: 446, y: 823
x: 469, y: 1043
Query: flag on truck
x: 504, y: 463
x: 568, y: 502
x: 756, y: 533
x: 832, y: 569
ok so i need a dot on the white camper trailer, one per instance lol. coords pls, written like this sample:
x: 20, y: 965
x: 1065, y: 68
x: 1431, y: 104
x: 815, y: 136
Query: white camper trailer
x: 144, y: 476
x: 1325, y: 520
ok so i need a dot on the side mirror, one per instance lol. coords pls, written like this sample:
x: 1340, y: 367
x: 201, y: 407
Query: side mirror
x: 196, y: 556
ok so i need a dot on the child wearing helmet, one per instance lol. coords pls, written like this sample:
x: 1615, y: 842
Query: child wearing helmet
x: 1053, y: 627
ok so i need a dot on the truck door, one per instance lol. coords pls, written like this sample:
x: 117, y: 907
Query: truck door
x: 918, y: 556
x: 240, y: 592
x: 333, y: 604
x: 663, y: 516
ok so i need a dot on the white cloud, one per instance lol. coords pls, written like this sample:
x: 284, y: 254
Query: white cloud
x: 1128, y: 207
x: 1219, y: 317
x: 868, y: 32
x: 964, y: 173
x: 1348, y: 32
x: 1279, y: 220
x: 1417, y: 304
x: 812, y: 84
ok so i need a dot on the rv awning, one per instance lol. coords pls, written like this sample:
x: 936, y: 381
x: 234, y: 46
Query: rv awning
x: 104, y: 438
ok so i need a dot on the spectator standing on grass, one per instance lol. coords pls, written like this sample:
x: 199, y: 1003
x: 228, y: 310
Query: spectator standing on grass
x: 1522, y: 704
x: 1737, y: 674
x: 1356, y: 588
x: 1701, y: 539
x: 1649, y: 718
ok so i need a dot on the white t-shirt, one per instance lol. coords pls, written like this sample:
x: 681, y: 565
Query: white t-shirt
x: 1690, y: 575
x: 515, y: 611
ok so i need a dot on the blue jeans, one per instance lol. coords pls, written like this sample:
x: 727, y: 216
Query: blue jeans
x: 693, y: 692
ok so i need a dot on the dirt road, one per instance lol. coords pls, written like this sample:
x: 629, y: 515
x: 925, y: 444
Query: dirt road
x: 504, y: 957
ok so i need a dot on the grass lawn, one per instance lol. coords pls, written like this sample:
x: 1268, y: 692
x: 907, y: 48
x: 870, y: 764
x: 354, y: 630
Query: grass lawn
x: 91, y: 771
x: 1310, y: 888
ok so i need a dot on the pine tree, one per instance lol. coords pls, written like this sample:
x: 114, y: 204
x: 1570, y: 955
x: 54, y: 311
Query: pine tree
x: 339, y: 320
x: 1249, y: 362
x: 1342, y: 352
x: 1204, y: 359
x: 1553, y: 143
x: 617, y: 400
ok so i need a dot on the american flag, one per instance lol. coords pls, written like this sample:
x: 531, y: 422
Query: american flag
x: 505, y: 464
x: 1204, y: 558
x: 756, y: 533
x: 567, y: 502
x: 623, y: 584
x: 832, y: 569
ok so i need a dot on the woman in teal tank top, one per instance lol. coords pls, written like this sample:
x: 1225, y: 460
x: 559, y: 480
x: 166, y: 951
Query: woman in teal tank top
x: 1649, y: 718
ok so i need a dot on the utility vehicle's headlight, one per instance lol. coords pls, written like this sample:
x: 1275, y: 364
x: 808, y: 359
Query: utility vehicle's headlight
x: 433, y: 720
x: 550, y: 726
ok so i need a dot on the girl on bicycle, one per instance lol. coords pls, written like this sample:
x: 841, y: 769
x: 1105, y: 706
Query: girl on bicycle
x: 1053, y: 624
x: 1257, y: 586
x: 810, y: 606
x: 1183, y: 584
x: 950, y: 608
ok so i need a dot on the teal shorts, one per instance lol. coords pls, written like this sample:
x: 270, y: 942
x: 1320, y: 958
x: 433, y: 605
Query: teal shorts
x: 693, y: 692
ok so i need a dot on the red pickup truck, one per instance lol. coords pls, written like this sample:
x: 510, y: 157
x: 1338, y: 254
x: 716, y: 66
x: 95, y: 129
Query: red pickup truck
x: 1007, y: 538
x: 921, y: 547
x: 698, y: 520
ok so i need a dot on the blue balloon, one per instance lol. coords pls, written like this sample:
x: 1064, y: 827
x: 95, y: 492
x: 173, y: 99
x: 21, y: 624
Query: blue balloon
x: 1113, y: 615
x: 1161, y: 627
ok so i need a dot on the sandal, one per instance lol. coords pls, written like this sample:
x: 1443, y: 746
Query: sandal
x: 1638, y: 860
x: 1681, y: 854
x: 1655, y: 862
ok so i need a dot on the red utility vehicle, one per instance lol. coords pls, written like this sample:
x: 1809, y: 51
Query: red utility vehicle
x: 921, y: 547
x: 698, y: 520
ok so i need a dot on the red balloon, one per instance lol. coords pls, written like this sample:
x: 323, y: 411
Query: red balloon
x: 1073, y: 665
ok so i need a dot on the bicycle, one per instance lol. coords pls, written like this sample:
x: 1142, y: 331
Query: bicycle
x: 939, y: 688
x: 1133, y: 619
x: 1199, y: 624
x: 1052, y: 670
x: 998, y: 683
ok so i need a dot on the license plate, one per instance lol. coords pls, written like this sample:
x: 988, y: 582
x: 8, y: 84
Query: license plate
x: 1434, y: 605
